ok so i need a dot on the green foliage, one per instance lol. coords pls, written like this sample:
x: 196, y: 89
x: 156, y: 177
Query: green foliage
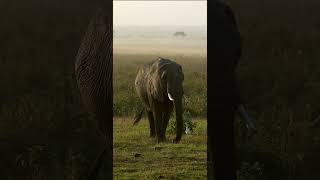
x: 41, y: 112
x: 188, y: 121
x: 249, y: 171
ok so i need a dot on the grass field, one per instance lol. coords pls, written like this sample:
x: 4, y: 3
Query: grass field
x: 186, y: 160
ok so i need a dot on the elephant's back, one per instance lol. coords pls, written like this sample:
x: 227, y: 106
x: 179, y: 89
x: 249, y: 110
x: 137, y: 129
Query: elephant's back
x: 141, y: 82
x: 142, y: 75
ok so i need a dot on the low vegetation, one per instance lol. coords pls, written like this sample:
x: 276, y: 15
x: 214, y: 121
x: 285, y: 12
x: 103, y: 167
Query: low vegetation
x: 137, y: 156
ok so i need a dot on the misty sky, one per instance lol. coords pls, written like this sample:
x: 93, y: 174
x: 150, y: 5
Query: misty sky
x: 159, y: 13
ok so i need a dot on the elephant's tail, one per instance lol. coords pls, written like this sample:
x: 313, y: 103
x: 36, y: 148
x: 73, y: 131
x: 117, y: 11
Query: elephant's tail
x: 138, y: 117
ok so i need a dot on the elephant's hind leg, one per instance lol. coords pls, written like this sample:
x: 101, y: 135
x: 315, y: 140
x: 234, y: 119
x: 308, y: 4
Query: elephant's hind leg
x: 151, y: 123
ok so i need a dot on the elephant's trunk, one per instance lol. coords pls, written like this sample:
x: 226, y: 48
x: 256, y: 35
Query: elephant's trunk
x: 175, y: 93
x: 179, y: 119
x: 169, y: 92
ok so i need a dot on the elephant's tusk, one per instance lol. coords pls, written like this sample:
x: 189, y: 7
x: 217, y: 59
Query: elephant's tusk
x: 246, y: 118
x: 170, y: 97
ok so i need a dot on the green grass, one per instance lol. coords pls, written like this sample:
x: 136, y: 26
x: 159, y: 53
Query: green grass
x: 167, y: 160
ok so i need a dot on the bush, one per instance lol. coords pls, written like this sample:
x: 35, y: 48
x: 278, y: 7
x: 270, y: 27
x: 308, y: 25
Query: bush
x: 188, y: 124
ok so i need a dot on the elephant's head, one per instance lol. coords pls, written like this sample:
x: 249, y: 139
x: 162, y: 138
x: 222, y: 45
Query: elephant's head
x: 172, y: 78
x: 171, y: 81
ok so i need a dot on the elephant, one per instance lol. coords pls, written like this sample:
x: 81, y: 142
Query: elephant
x: 225, y: 50
x: 159, y: 86
x: 93, y: 72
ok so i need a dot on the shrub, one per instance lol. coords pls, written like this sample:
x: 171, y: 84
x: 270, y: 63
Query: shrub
x: 188, y: 124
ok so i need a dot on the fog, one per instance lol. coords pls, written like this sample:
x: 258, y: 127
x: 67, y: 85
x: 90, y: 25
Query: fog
x: 148, y: 27
x: 160, y: 40
x: 160, y: 13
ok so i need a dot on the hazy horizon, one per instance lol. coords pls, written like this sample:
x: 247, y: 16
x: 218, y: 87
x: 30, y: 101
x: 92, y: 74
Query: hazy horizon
x: 148, y: 27
x: 160, y: 13
x: 159, y: 40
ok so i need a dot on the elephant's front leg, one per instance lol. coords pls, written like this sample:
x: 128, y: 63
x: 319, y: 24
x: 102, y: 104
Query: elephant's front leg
x: 166, y: 116
x: 157, y: 116
x: 152, y: 124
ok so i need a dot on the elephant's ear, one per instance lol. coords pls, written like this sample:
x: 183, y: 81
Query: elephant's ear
x: 182, y: 75
x: 162, y: 69
x: 157, y: 89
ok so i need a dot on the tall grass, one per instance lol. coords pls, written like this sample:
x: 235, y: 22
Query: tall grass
x: 278, y: 75
x: 44, y: 129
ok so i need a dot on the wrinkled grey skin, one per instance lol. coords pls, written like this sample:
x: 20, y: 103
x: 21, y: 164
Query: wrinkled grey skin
x: 93, y: 70
x: 153, y: 83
